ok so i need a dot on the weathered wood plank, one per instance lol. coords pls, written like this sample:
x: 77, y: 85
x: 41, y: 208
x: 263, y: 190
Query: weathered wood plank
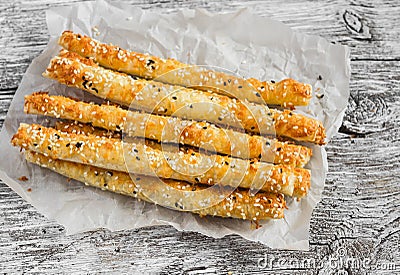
x: 357, y: 216
x: 5, y: 100
x: 365, y: 28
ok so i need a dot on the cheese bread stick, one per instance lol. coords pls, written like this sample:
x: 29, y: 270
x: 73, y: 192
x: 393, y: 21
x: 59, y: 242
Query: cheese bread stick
x: 140, y: 159
x: 155, y: 97
x: 239, y: 204
x: 301, y: 187
x: 169, y: 129
x: 75, y: 127
x: 287, y: 92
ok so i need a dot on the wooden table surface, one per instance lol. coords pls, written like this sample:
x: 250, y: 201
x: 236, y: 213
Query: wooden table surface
x: 354, y: 230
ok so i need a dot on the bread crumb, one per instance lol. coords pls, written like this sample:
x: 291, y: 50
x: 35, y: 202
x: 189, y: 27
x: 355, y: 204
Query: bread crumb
x: 23, y: 178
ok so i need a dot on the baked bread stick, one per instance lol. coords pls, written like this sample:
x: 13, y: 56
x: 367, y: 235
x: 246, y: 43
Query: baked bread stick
x: 168, y: 129
x: 155, y: 97
x: 140, y: 159
x: 300, y: 189
x: 75, y: 127
x: 239, y: 204
x: 287, y: 93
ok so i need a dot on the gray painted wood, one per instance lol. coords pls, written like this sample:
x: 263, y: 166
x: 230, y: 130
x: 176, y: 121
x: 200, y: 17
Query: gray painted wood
x: 354, y: 230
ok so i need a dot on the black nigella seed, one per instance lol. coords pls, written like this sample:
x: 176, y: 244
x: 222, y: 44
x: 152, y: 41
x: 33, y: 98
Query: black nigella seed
x: 258, y: 95
x: 137, y: 178
x: 227, y: 163
x: 67, y: 145
x: 262, y: 87
x: 319, y: 77
x: 224, y: 83
x: 49, y: 147
x: 193, y: 154
x: 110, y: 173
x: 229, y: 81
x: 252, y: 127
x: 197, y: 179
x: 105, y: 185
x: 85, y: 83
x: 165, y: 110
x: 259, y: 156
x: 137, y: 157
x: 205, y: 127
x: 135, y: 150
x: 57, y: 136
x: 176, y: 204
x: 134, y: 192
x: 280, y: 170
x: 272, y: 81
x: 279, y: 149
x: 79, y: 36
x: 234, y: 198
x: 153, y: 67
x: 94, y: 89
x: 190, y: 106
x: 219, y: 118
x: 267, y: 143
x: 149, y: 62
x: 252, y: 162
x: 83, y: 78
x: 118, y: 127
x: 90, y: 84
x: 240, y: 86
x: 96, y: 173
x: 35, y: 144
x: 159, y: 90
x: 78, y: 144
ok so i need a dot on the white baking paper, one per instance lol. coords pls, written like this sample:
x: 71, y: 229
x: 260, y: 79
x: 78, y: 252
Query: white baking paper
x: 240, y: 41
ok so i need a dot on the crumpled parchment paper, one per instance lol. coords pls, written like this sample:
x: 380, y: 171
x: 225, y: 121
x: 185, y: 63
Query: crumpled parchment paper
x: 240, y: 41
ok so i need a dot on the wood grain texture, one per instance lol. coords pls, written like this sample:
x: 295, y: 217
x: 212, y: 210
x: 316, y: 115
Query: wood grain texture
x: 357, y: 219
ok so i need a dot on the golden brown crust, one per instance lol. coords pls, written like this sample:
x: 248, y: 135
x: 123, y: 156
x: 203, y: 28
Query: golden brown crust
x: 71, y: 69
x: 287, y: 93
x: 75, y: 127
x: 277, y: 93
x: 302, y: 184
x: 239, y: 204
x: 198, y: 134
x: 140, y: 159
x: 299, y: 127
